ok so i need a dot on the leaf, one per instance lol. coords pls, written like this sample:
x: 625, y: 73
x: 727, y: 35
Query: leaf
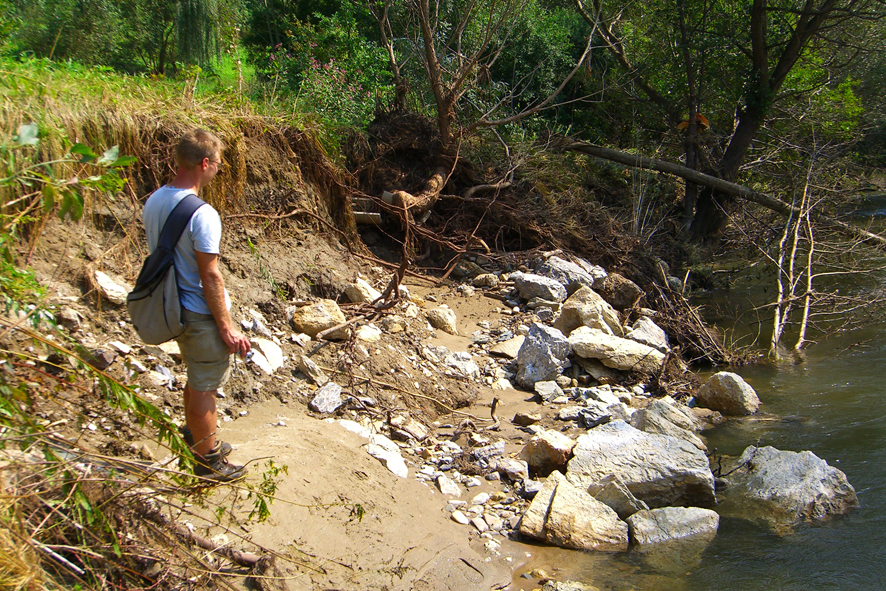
x: 28, y: 135
x: 110, y: 155
x: 123, y: 161
x: 85, y: 152
x: 48, y: 197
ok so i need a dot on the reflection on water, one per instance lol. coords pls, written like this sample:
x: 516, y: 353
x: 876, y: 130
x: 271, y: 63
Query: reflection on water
x: 833, y: 405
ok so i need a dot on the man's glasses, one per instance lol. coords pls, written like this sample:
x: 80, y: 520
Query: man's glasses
x: 218, y: 165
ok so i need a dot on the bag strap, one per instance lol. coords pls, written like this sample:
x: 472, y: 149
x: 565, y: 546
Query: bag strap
x: 177, y: 220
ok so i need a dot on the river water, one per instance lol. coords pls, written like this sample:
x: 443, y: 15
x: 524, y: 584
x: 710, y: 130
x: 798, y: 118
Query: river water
x: 834, y: 405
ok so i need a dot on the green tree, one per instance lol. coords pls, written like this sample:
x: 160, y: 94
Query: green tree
x: 740, y: 63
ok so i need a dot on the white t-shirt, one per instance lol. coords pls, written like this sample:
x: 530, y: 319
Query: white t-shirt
x: 203, y: 234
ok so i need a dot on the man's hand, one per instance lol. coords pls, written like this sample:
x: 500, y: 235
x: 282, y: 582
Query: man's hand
x: 236, y: 341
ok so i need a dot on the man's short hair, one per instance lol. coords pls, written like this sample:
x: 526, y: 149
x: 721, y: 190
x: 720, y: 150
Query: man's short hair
x: 196, y: 145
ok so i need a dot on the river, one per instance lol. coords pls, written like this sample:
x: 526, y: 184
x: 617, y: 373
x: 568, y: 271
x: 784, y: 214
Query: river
x: 834, y: 405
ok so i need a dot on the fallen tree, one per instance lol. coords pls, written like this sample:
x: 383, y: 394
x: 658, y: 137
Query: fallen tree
x: 721, y: 185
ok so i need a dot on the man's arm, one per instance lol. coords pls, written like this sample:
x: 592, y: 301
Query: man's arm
x: 214, y: 292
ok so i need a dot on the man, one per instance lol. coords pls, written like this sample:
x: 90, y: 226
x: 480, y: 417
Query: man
x: 210, y: 337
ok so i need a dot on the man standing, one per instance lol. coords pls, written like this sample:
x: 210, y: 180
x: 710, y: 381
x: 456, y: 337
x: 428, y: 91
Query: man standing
x: 210, y: 337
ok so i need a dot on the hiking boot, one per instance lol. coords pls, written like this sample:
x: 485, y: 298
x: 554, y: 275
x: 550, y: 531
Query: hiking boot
x: 222, y: 449
x: 218, y: 470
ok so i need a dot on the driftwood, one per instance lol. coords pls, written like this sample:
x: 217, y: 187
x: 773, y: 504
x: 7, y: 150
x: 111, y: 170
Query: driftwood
x: 722, y: 186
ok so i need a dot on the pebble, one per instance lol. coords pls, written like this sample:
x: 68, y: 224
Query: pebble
x: 481, y: 499
x: 480, y: 524
x: 448, y: 487
x: 472, y: 482
x: 459, y: 517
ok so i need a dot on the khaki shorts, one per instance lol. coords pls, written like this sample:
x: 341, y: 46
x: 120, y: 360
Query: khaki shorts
x: 205, y: 353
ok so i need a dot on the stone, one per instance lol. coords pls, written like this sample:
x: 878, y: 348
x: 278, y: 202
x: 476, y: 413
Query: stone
x: 547, y: 451
x: 531, y: 286
x: 569, y: 274
x: 485, y: 280
x: 782, y: 488
x: 489, y: 451
x: 657, y: 469
x: 70, y: 318
x: 615, y: 352
x: 272, y: 352
x: 502, y: 384
x: 621, y: 292
x: 462, y: 365
x: 508, y: 349
x: 327, y: 399
x: 480, y: 524
x: 602, y: 394
x: 596, y: 370
x: 317, y: 317
x: 312, y: 370
x: 567, y: 586
x: 512, y: 468
x: 613, y: 493
x: 101, y: 359
x: 444, y: 319
x: 596, y: 271
x: 729, y: 394
x: 645, y: 331
x: 448, y: 486
x: 157, y: 379
x: 525, y: 418
x: 578, y: 520
x: 659, y: 417
x: 260, y: 361
x: 480, y: 499
x: 547, y: 391
x: 390, y: 458
x: 543, y: 355
x: 459, y: 517
x: 667, y: 524
x: 414, y: 428
x: 113, y: 290
x: 533, y: 521
x: 121, y: 348
x: 586, y: 307
x: 360, y: 291
x: 368, y: 333
x: 494, y: 522
x: 394, y: 324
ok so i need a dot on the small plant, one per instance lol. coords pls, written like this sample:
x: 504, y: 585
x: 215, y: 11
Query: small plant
x: 263, y: 493
x: 265, y: 272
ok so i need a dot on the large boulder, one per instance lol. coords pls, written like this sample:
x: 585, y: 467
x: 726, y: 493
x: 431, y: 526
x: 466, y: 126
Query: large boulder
x: 664, y: 419
x: 621, y: 292
x: 547, y: 451
x: 530, y: 285
x: 728, y: 393
x: 532, y: 523
x: 782, y: 488
x: 667, y: 524
x: 615, y: 352
x: 569, y: 274
x: 317, y: 317
x: 613, y: 493
x: 585, y: 307
x: 578, y: 520
x: 657, y: 469
x: 542, y: 356
x: 649, y: 333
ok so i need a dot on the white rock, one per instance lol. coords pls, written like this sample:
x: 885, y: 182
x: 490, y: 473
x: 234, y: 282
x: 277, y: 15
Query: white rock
x: 361, y: 291
x: 448, y: 487
x: 121, y: 348
x: 656, y: 526
x: 272, y: 352
x: 459, y: 517
x: 615, y: 352
x: 444, y: 319
x: 114, y: 291
x: 547, y: 451
x: 393, y: 460
x: 480, y: 524
x: 260, y: 361
x: 368, y: 333
x: 509, y: 349
x: 480, y: 499
x: 728, y: 393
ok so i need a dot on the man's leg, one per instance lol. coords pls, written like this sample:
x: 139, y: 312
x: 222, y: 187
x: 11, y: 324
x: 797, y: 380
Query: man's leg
x: 201, y: 417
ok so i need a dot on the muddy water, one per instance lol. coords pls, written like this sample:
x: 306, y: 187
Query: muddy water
x: 835, y: 406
